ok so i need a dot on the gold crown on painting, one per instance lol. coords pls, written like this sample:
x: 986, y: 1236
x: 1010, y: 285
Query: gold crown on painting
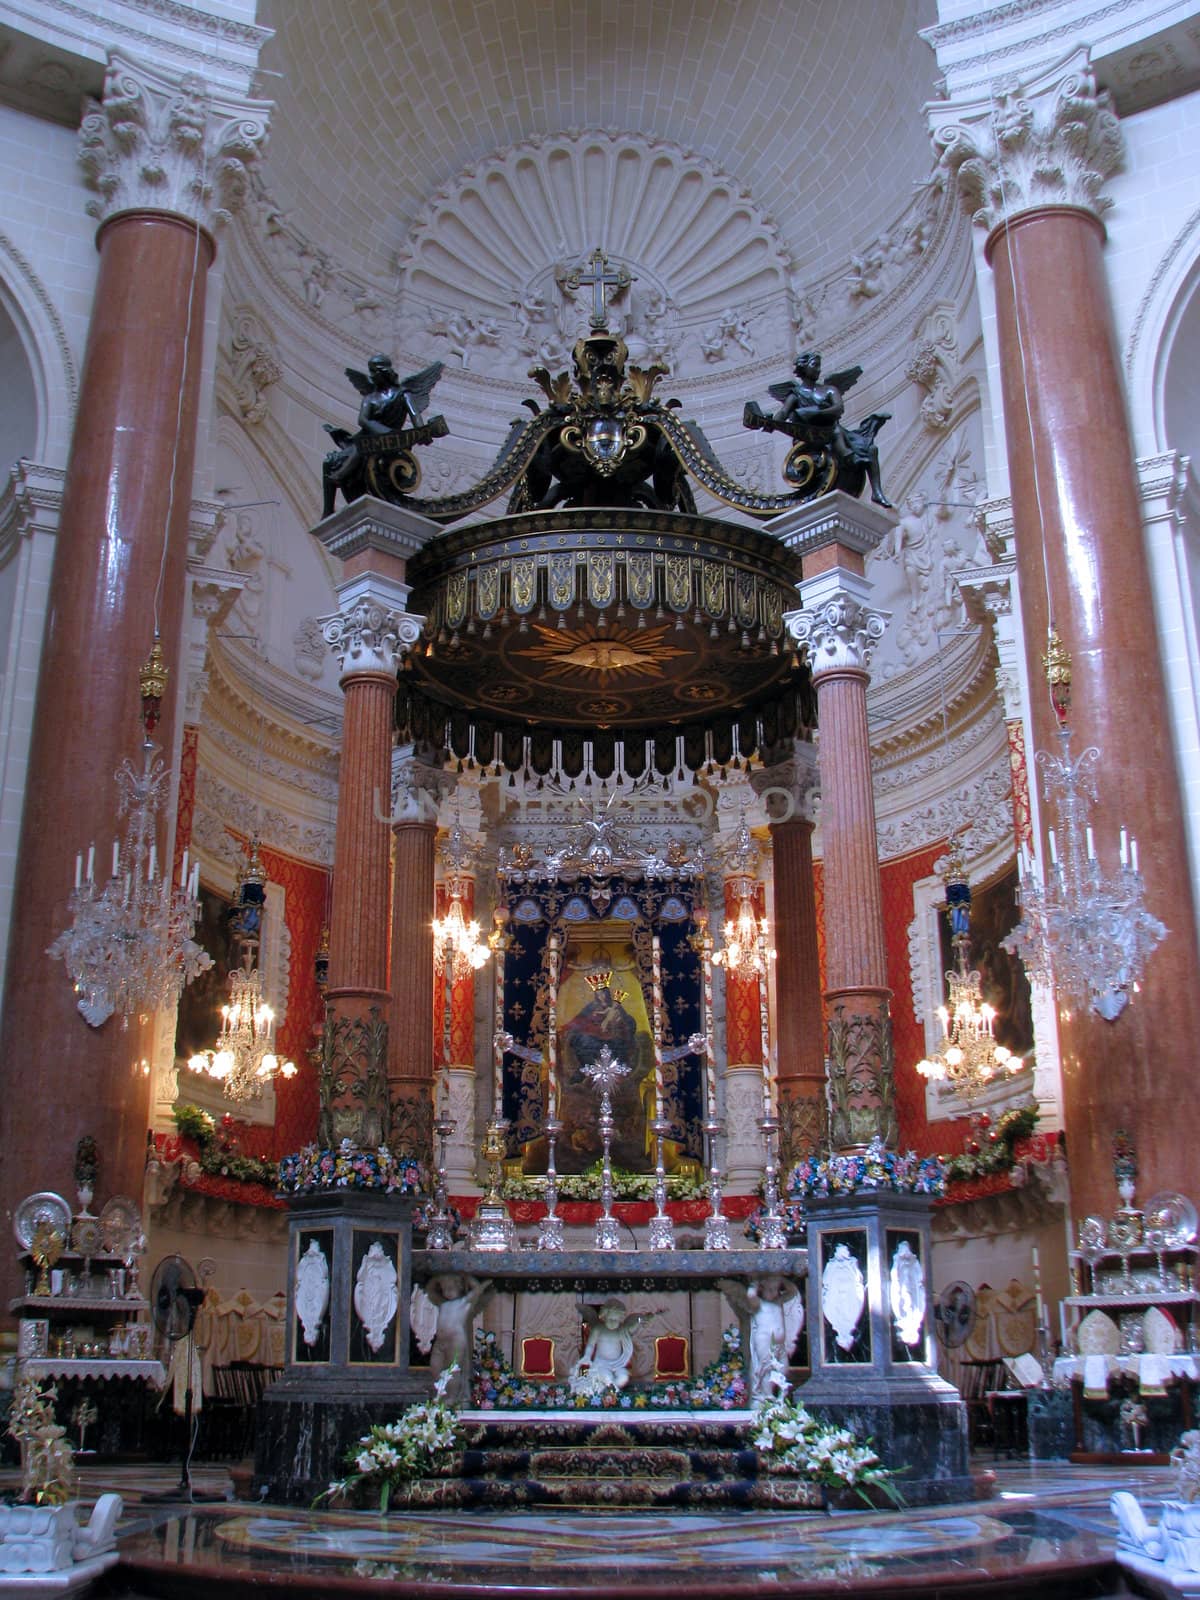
x: 600, y: 980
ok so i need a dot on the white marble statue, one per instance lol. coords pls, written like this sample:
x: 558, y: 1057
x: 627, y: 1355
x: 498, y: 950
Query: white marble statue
x: 907, y: 1283
x: 775, y: 1311
x: 376, y: 1294
x: 312, y: 1291
x: 843, y: 1295
x: 457, y: 1298
x: 604, y: 1363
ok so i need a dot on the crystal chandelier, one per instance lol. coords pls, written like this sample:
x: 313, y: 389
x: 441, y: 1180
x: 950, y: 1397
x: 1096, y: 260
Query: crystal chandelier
x: 746, y: 950
x: 967, y: 1057
x: 457, y: 943
x: 129, y: 949
x: 1086, y: 932
x: 244, y: 1060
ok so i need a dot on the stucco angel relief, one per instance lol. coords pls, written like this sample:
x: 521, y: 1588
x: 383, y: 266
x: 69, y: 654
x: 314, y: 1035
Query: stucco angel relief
x: 312, y: 1291
x: 376, y: 1294
x: 843, y: 1295
x: 907, y: 1282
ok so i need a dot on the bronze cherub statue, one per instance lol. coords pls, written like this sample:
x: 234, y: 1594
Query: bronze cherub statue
x: 379, y: 458
x: 826, y: 454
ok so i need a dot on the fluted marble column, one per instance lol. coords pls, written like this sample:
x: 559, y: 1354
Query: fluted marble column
x: 1031, y: 161
x: 839, y: 629
x: 787, y: 792
x: 167, y: 163
x: 368, y: 636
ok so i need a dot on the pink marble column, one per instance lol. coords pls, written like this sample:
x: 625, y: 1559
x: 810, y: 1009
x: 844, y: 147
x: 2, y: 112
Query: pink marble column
x: 1079, y: 541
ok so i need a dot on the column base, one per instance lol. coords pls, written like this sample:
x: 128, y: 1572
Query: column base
x: 922, y: 1435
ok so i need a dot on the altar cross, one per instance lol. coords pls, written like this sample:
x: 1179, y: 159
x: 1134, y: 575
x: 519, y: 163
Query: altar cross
x: 598, y: 276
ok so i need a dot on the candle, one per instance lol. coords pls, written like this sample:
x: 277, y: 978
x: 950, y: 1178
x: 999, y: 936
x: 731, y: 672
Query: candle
x: 195, y: 880
x: 498, y: 1047
x: 1053, y: 849
x: 78, y: 870
x: 1091, y: 846
x: 183, y: 872
x: 1133, y: 854
x: 656, y: 998
x: 91, y: 862
x: 1037, y: 1288
x: 116, y: 859
x: 552, y: 1033
x: 153, y: 863
x: 764, y: 1021
x: 710, y: 1059
x: 1124, y: 848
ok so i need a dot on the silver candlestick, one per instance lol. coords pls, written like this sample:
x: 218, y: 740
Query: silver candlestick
x: 606, y: 1072
x: 440, y: 1233
x: 550, y: 1230
x: 716, y: 1226
x: 772, y: 1228
x: 661, y: 1233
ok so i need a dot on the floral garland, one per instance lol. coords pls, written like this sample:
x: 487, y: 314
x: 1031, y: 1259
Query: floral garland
x: 876, y: 1168
x: 789, y: 1439
x: 219, y: 1152
x: 348, y: 1167
x: 394, y: 1453
x: 995, y: 1154
x: 720, y: 1387
x: 586, y: 1186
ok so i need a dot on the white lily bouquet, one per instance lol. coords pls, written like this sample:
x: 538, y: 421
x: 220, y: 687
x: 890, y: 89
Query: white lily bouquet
x: 395, y: 1453
x: 790, y: 1440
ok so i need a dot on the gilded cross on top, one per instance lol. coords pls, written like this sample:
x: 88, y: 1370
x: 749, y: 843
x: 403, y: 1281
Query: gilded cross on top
x: 598, y: 275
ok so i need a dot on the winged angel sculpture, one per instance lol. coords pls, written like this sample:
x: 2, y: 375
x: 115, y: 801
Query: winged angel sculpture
x: 379, y: 456
x: 825, y: 453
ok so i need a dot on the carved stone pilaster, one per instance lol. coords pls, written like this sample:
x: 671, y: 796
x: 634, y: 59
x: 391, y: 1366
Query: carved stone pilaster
x: 160, y: 143
x: 838, y: 627
x: 253, y: 366
x: 352, y: 1082
x: 369, y: 637
x: 861, y: 1076
x: 1049, y: 139
x: 213, y: 594
x: 803, y: 1127
x: 744, y: 1145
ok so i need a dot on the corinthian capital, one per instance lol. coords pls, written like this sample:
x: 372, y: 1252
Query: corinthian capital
x: 1050, y: 139
x: 161, y: 143
x: 838, y: 627
x: 369, y: 637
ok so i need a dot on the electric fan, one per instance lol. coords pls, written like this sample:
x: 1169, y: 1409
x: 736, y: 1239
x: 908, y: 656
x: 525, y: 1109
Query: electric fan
x: 175, y: 1297
x: 954, y: 1314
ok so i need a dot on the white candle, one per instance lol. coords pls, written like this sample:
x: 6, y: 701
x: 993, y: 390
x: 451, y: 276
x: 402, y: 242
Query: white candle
x: 153, y: 863
x: 78, y: 870
x: 195, y: 880
x: 1124, y: 848
x: 498, y: 1048
x: 1037, y: 1288
x: 1091, y: 846
x: 764, y: 1022
x: 116, y: 859
x: 1053, y: 849
x: 710, y: 1059
x: 91, y: 861
x: 183, y: 871
x: 1133, y: 854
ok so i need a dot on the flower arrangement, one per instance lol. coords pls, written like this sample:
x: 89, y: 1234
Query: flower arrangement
x: 47, y: 1460
x: 348, y: 1167
x: 219, y: 1146
x: 995, y: 1152
x: 720, y: 1387
x: 87, y: 1162
x: 792, y: 1212
x: 395, y: 1453
x: 586, y: 1185
x: 875, y: 1168
x: 790, y: 1440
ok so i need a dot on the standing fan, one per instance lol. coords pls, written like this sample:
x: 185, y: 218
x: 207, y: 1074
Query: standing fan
x: 954, y: 1315
x: 175, y: 1297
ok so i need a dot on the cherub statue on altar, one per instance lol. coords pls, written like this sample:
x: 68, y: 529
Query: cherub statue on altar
x: 775, y: 1311
x: 458, y: 1298
x: 604, y: 1363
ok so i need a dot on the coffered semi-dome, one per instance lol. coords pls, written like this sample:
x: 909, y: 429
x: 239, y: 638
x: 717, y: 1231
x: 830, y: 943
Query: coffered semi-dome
x: 816, y: 110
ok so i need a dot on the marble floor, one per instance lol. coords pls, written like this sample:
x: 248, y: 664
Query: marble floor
x: 1043, y: 1530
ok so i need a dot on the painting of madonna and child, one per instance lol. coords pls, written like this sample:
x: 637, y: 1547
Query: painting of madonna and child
x: 601, y: 1001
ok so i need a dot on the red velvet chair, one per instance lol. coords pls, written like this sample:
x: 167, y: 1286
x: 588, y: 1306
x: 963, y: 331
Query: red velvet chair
x: 537, y: 1357
x: 671, y: 1356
